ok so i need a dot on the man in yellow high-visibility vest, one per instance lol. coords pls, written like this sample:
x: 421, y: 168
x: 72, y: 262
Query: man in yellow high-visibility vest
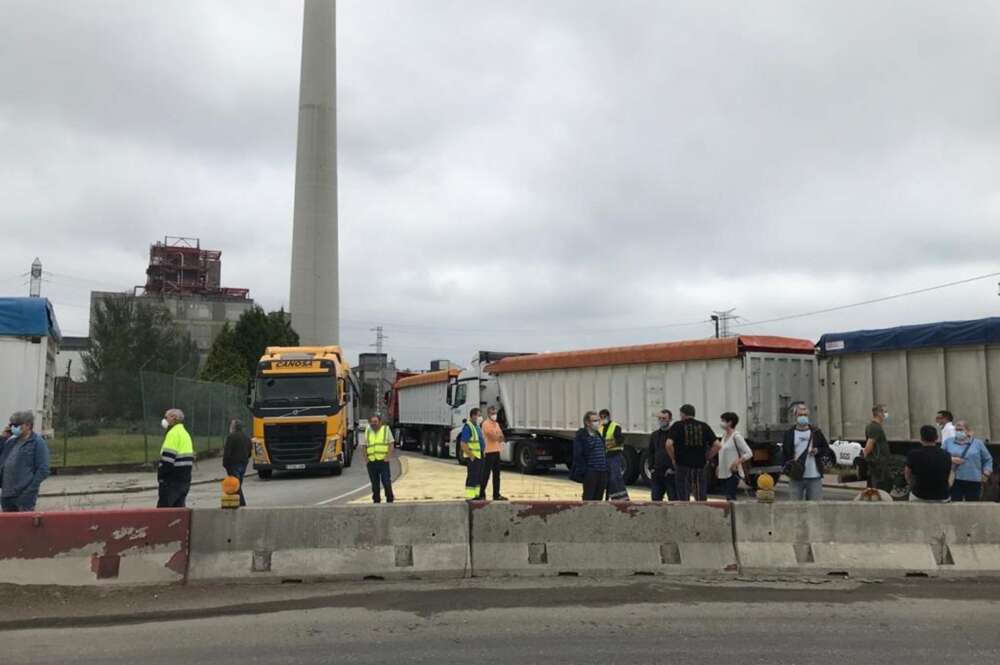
x: 176, y: 461
x: 472, y: 443
x: 378, y: 445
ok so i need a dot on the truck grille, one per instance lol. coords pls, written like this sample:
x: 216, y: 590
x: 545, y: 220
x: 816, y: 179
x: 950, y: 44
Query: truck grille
x: 298, y: 443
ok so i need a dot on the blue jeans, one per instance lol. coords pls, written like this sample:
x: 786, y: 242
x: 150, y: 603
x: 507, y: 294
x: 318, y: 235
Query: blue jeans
x: 732, y: 486
x: 616, y: 478
x: 238, y: 471
x: 807, y: 489
x: 379, y: 474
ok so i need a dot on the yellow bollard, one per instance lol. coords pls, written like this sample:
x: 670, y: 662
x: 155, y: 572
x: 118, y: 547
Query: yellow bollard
x: 765, y: 488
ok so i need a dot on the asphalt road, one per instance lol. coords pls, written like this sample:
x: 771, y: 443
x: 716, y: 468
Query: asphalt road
x: 916, y: 622
x: 284, y: 489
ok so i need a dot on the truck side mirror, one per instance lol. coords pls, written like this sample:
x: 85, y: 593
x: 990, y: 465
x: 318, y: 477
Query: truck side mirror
x: 452, y: 391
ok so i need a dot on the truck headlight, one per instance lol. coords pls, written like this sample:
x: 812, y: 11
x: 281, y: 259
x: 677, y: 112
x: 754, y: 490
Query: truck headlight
x: 330, y: 451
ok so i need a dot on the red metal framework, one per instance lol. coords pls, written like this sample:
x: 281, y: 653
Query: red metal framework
x: 179, y: 266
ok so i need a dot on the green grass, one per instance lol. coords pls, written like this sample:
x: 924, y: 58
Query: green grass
x: 112, y: 447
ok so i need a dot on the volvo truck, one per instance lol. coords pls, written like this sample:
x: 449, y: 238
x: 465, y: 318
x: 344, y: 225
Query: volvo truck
x: 302, y: 399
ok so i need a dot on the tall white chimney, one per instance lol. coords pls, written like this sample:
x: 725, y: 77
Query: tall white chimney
x: 315, y: 297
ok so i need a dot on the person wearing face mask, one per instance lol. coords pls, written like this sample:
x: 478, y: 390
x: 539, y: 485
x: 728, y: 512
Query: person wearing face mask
x: 877, y: 451
x: 661, y: 478
x: 471, y: 440
x: 971, y: 461
x: 493, y: 434
x: 176, y: 461
x: 806, y: 442
x: 590, y: 458
x: 614, y: 442
x: 24, y: 464
x: 945, y: 425
x: 733, y: 453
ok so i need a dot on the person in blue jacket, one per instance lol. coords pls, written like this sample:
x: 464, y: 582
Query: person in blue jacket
x: 972, y: 462
x: 24, y: 464
x: 590, y: 458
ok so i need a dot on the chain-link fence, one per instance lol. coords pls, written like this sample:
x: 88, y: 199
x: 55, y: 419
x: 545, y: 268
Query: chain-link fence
x: 117, y: 421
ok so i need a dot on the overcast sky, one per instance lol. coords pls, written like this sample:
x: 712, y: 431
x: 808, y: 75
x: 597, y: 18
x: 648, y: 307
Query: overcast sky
x: 521, y: 175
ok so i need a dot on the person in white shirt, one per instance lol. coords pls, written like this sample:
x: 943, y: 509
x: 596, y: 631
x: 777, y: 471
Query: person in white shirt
x: 733, y: 453
x: 945, y: 426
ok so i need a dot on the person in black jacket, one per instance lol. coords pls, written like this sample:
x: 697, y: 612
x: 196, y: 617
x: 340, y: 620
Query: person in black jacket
x: 590, y: 459
x: 806, y: 440
x: 236, y: 454
x: 662, y: 474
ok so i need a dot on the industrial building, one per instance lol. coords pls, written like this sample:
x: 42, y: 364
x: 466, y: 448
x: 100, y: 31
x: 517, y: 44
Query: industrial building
x: 187, y: 280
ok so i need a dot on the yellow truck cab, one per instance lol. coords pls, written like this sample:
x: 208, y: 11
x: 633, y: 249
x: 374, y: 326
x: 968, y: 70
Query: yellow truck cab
x: 302, y: 399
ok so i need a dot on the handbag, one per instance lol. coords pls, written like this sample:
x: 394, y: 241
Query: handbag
x: 796, y: 468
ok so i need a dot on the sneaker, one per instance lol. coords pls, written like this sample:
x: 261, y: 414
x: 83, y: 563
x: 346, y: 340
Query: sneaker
x: 501, y: 498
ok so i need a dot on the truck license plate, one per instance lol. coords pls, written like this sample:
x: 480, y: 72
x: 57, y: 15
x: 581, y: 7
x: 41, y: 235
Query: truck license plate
x: 295, y: 467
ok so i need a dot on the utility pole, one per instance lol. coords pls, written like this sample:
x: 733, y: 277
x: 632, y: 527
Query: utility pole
x: 379, y: 340
x: 35, y: 290
x: 721, y: 320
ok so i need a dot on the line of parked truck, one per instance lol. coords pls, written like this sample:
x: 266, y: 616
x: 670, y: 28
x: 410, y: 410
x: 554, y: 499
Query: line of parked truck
x: 915, y: 370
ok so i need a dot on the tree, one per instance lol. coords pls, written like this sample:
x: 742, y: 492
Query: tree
x: 128, y: 335
x: 236, y: 351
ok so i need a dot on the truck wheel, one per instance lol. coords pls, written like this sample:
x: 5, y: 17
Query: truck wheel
x: 527, y: 458
x: 425, y: 442
x: 348, y: 451
x: 264, y: 474
x: 645, y: 468
x: 630, y: 465
x: 443, y: 445
x: 336, y: 471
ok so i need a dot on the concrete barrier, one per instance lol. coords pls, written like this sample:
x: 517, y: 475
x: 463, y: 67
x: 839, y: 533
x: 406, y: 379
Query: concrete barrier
x: 415, y: 540
x: 598, y: 538
x: 95, y: 547
x: 893, y: 539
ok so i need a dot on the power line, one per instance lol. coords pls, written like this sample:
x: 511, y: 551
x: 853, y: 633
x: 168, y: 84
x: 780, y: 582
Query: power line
x: 872, y: 301
x: 421, y: 328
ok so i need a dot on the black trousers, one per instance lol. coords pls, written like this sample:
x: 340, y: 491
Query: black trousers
x: 173, y: 493
x: 379, y: 473
x: 491, y: 466
x: 966, y: 490
x: 595, y: 484
x: 663, y: 484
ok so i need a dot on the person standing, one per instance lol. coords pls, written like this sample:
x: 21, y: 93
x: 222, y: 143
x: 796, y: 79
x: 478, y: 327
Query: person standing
x: 661, y: 476
x: 24, y: 464
x: 378, y: 444
x: 493, y: 436
x: 876, y: 451
x: 176, y: 461
x: 471, y: 440
x: 590, y: 458
x: 971, y: 461
x: 927, y: 469
x: 614, y: 443
x: 945, y: 425
x: 690, y: 444
x: 806, y: 444
x: 733, y: 453
x: 236, y: 454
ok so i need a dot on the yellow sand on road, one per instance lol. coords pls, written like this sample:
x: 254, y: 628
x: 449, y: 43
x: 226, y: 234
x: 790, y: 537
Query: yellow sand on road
x: 431, y: 480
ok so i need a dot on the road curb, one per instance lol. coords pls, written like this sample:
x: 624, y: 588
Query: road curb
x: 126, y: 490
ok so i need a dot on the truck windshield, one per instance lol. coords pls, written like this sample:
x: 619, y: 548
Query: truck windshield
x: 297, y: 390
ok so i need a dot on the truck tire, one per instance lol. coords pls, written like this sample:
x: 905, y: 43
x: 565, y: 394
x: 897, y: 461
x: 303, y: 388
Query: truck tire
x: 348, y: 450
x: 526, y: 457
x: 630, y: 465
x: 337, y: 470
x: 425, y: 442
x: 646, y: 468
x: 264, y: 474
x: 443, y: 445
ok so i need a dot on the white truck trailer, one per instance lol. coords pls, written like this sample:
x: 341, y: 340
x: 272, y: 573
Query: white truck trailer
x: 915, y: 371
x: 544, y: 396
x: 29, y: 342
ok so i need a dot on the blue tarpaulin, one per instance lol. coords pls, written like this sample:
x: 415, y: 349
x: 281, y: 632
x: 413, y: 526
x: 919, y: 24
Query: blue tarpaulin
x: 946, y: 333
x: 28, y: 317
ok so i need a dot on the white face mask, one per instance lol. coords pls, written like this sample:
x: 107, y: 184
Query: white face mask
x: 479, y: 420
x: 493, y: 417
x: 164, y: 424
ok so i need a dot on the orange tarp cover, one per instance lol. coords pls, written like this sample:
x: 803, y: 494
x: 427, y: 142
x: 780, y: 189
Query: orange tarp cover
x: 425, y: 378
x: 701, y: 349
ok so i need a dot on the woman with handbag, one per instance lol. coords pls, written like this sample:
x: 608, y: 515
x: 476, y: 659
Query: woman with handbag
x: 972, y: 462
x: 733, y: 453
x: 806, y: 452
